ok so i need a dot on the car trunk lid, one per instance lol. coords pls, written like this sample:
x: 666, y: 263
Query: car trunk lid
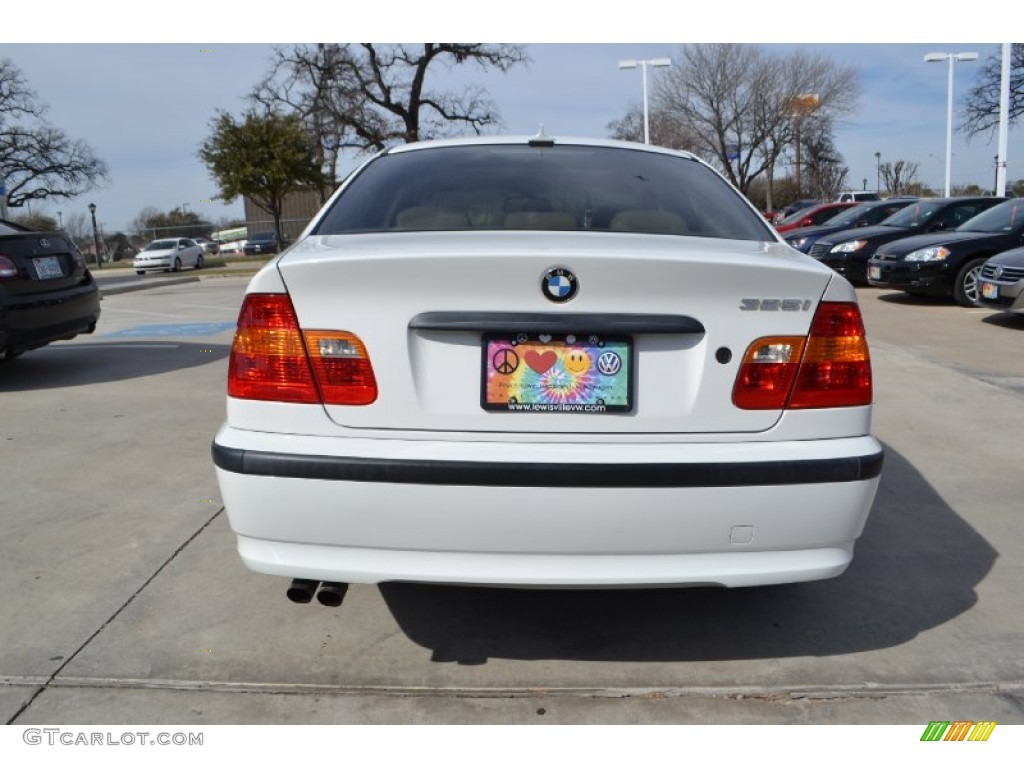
x: 432, y: 310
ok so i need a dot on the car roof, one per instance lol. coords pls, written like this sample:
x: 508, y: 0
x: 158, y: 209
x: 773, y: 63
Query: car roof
x: 541, y: 139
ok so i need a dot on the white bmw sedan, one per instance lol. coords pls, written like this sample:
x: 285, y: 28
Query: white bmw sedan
x: 546, y: 362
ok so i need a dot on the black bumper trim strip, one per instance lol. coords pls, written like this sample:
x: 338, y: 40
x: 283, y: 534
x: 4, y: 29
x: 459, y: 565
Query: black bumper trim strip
x: 540, y: 475
x: 549, y: 322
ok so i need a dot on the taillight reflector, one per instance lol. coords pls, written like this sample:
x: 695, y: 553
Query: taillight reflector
x: 341, y: 367
x: 831, y: 368
x: 273, y: 359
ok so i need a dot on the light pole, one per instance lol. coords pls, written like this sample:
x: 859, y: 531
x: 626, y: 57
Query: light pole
x: 951, y: 58
x: 878, y: 173
x: 60, y: 219
x: 95, y: 236
x: 643, y: 64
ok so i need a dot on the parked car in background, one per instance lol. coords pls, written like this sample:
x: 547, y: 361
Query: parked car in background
x: 262, y: 243
x: 795, y: 206
x: 168, y: 254
x: 209, y: 246
x: 853, y: 196
x: 47, y: 293
x: 948, y: 263
x: 849, y: 250
x: 860, y: 215
x: 536, y: 362
x: 232, y: 248
x: 1001, y: 282
x: 812, y: 215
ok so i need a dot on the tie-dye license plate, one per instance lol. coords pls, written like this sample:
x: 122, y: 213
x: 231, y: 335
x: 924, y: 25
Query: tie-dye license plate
x: 545, y: 373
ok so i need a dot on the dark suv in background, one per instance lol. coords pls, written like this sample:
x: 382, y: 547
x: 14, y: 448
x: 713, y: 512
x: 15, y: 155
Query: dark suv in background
x: 849, y: 250
x: 262, y: 242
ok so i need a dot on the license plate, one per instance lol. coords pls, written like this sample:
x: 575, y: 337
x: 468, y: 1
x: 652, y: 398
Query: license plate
x: 48, y: 267
x: 874, y: 273
x: 989, y: 291
x: 557, y: 373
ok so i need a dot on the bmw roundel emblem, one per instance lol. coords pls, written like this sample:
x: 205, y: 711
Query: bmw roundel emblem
x: 559, y: 284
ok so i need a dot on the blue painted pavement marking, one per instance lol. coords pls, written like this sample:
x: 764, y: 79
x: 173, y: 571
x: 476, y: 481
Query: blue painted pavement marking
x: 171, y: 329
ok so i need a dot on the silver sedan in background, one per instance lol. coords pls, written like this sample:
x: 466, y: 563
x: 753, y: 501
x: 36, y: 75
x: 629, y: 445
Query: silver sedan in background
x: 1001, y: 282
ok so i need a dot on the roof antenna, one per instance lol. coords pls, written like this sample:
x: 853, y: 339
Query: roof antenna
x: 542, y: 139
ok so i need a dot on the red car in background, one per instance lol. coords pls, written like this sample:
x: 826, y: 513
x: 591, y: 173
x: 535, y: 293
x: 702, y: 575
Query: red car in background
x: 809, y: 217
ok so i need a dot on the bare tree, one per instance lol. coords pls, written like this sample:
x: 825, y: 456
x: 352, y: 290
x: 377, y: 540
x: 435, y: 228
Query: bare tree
x: 981, y: 103
x: 898, y: 176
x: 665, y: 132
x: 737, y: 103
x: 369, y: 96
x: 39, y: 160
x: 825, y: 172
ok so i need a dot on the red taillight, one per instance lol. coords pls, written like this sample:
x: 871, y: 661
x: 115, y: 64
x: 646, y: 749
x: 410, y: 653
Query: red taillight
x: 268, y: 360
x: 831, y: 368
x: 836, y: 369
x: 273, y: 359
x: 8, y: 269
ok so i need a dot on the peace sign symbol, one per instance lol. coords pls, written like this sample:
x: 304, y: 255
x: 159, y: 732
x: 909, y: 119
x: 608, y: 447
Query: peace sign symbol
x: 505, y: 361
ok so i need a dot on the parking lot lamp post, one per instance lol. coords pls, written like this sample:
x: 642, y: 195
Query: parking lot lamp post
x: 643, y: 64
x: 878, y: 173
x: 951, y: 58
x: 95, y: 235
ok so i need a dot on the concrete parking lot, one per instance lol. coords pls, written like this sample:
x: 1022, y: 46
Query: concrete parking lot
x: 126, y: 602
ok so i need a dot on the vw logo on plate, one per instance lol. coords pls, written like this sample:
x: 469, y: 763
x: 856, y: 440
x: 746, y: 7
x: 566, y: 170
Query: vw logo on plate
x: 559, y: 284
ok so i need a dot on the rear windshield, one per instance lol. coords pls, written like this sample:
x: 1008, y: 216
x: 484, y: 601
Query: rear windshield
x: 576, y: 188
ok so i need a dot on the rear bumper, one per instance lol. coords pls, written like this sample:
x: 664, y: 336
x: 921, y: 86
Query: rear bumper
x: 153, y: 264
x: 558, y: 515
x: 28, y: 322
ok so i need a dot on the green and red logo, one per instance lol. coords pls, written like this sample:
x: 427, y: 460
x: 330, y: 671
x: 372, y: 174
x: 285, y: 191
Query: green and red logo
x: 958, y: 730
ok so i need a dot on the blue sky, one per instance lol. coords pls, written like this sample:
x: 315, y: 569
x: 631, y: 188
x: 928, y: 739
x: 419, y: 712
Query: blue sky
x: 146, y: 106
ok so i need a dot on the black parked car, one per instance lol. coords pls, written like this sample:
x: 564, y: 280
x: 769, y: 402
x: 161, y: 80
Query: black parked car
x: 849, y: 250
x: 861, y: 215
x: 46, y: 292
x: 948, y: 263
x: 262, y: 242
